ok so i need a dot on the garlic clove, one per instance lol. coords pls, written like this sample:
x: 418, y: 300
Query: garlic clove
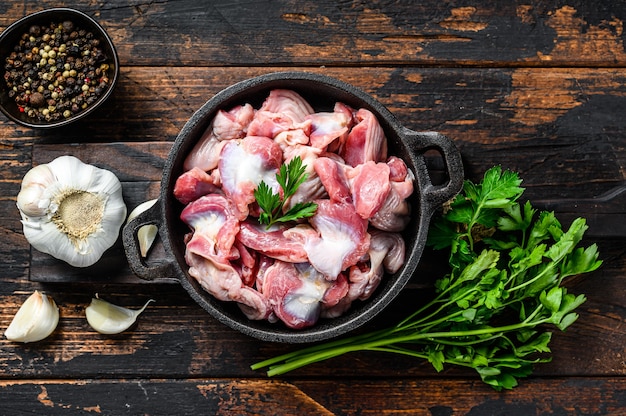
x: 35, y: 320
x: 107, y: 318
x: 31, y: 200
x: 146, y: 234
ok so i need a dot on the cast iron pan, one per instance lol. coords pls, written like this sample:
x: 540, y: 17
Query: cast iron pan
x: 322, y: 92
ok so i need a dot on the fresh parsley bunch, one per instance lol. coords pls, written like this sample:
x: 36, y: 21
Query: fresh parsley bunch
x: 493, y: 311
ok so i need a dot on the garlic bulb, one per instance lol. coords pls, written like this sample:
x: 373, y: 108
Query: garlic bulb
x: 147, y: 233
x: 71, y: 210
x: 107, y: 318
x: 35, y: 319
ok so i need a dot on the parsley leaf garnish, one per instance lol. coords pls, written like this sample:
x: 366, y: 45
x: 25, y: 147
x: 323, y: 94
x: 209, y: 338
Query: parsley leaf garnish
x: 290, y: 176
x: 492, y: 310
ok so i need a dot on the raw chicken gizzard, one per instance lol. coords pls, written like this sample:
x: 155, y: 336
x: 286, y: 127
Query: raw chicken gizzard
x: 305, y: 270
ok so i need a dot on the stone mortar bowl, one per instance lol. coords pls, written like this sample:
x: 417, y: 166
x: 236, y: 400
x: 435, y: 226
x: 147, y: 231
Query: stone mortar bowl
x: 322, y: 92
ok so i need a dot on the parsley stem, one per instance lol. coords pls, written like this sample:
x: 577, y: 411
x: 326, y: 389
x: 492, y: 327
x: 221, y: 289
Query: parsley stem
x: 488, y: 311
x: 549, y: 267
x: 371, y: 341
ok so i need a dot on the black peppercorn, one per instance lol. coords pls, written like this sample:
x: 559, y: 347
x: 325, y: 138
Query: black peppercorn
x: 73, y: 50
x: 55, y: 71
x: 36, y: 99
x: 35, y: 30
x: 68, y: 26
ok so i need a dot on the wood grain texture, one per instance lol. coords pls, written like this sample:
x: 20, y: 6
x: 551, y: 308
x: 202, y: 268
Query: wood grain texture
x: 433, y: 397
x: 538, y: 87
x: 239, y: 33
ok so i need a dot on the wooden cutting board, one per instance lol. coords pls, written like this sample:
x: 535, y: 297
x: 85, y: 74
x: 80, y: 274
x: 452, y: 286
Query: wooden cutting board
x: 139, y: 168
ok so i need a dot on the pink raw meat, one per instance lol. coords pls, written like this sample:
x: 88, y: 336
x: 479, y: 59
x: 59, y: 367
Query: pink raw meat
x: 366, y: 186
x: 394, y: 214
x: 210, y: 250
x: 274, y: 243
x: 233, y: 124
x: 366, y: 141
x: 328, y: 127
x: 312, y: 188
x: 310, y: 268
x: 296, y: 292
x: 282, y: 110
x: 193, y: 184
x: 342, y: 239
x: 226, y: 125
x: 244, y: 165
x: 288, y: 103
x: 386, y: 254
x: 370, y: 187
x: 333, y: 177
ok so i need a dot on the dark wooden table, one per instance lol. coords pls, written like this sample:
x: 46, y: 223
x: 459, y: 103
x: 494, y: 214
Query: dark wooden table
x: 538, y: 87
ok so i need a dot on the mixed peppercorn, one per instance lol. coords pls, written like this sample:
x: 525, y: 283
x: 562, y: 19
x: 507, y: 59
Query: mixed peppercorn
x: 56, y: 71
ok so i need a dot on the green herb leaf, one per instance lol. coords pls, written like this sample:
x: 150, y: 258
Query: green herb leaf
x: 436, y: 358
x: 552, y: 299
x: 491, y: 310
x: 290, y: 176
x: 299, y: 210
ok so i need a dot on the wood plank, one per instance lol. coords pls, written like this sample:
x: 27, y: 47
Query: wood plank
x: 184, y: 339
x: 435, y: 397
x: 227, y: 33
x: 439, y: 397
x: 568, y: 139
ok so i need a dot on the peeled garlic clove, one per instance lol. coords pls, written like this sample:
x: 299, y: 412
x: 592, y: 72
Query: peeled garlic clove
x: 146, y: 234
x: 107, y: 318
x: 36, y: 319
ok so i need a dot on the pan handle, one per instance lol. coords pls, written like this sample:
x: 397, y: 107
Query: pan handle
x: 419, y: 143
x: 137, y: 263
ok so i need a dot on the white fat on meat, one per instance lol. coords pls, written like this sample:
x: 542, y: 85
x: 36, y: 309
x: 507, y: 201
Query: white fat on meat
x: 210, y: 251
x: 282, y: 110
x: 242, y: 167
x: 297, y: 292
x: 385, y: 254
x: 213, y: 221
x: 226, y: 125
x: 328, y: 127
x: 342, y: 241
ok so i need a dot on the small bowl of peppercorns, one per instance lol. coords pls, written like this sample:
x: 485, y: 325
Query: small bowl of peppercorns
x: 58, y: 66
